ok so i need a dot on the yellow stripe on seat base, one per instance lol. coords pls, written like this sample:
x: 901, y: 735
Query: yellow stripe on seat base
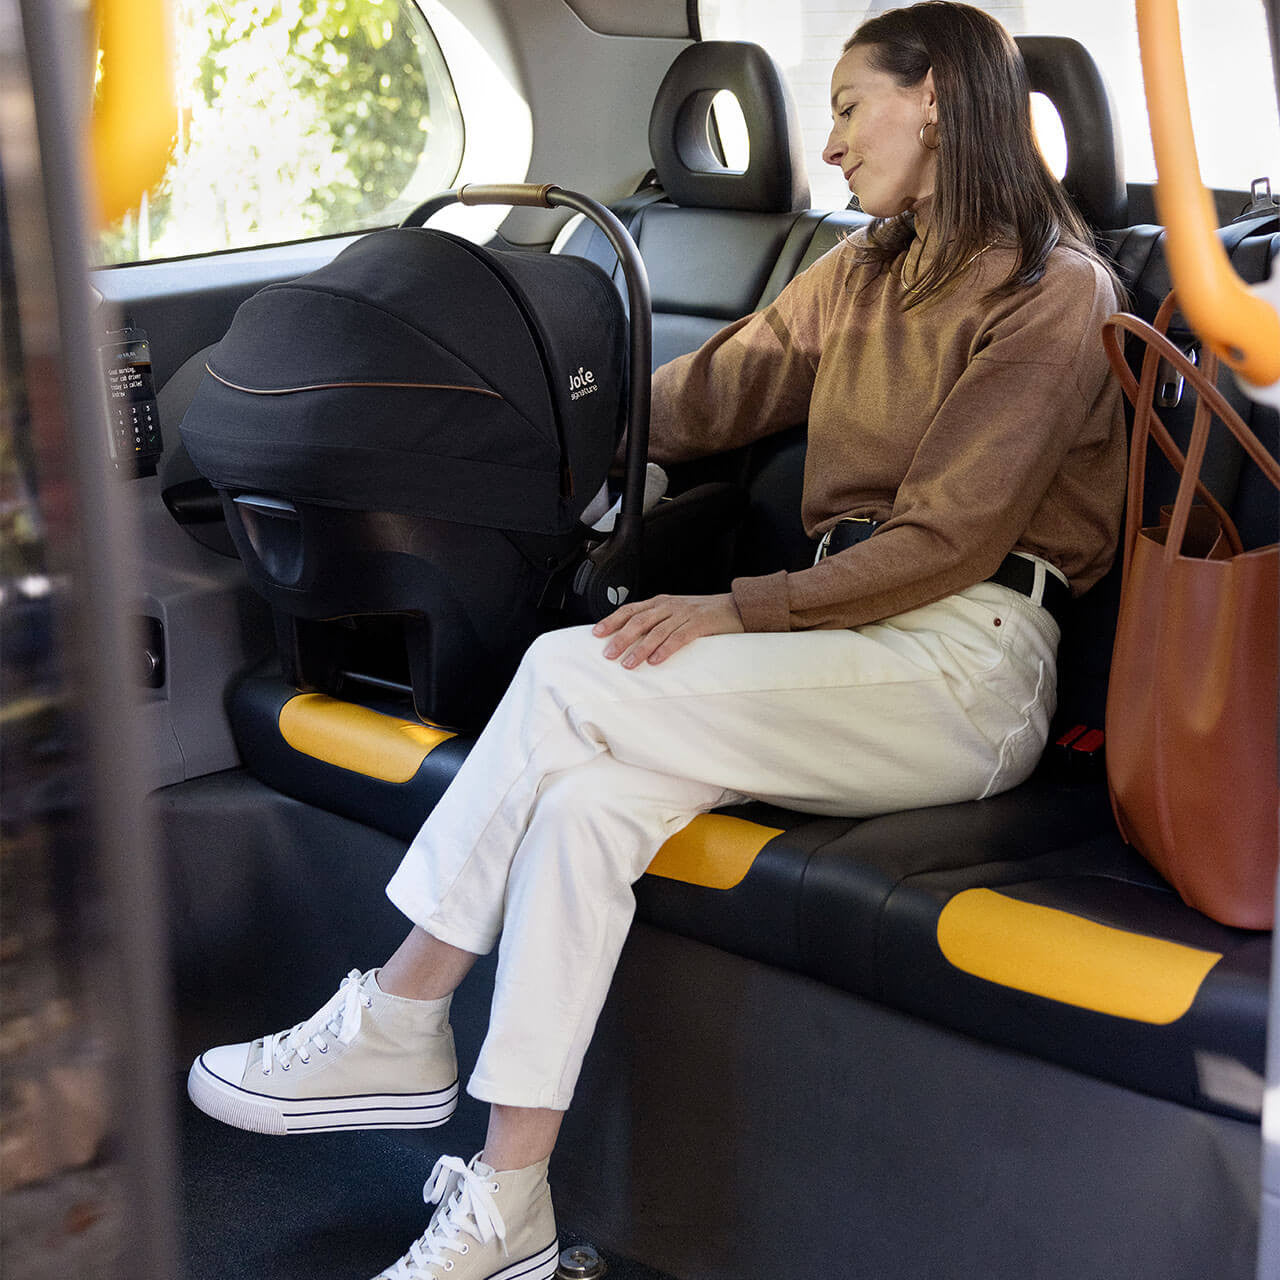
x: 1062, y: 957
x: 714, y: 850
x: 355, y: 738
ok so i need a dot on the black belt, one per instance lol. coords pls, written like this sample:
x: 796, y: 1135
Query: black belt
x: 1019, y: 574
x: 1015, y: 572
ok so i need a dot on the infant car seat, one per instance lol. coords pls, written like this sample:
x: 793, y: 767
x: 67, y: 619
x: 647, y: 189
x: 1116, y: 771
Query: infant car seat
x: 412, y: 432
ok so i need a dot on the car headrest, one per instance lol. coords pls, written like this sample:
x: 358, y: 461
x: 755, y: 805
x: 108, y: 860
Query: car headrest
x: 688, y: 167
x: 1063, y: 70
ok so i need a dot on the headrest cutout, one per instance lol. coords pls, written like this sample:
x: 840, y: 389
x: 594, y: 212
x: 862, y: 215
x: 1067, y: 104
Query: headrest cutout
x: 693, y: 135
x: 711, y: 131
x: 1050, y: 135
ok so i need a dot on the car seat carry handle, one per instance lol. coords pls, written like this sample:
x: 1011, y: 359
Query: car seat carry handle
x: 614, y: 566
x: 527, y: 194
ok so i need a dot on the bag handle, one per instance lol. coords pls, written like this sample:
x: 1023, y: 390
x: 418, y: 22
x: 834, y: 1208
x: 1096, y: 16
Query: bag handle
x: 1147, y: 425
x: 1146, y: 422
x: 1196, y: 446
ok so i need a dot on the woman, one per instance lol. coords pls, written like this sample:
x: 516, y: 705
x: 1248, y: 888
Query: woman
x: 948, y: 363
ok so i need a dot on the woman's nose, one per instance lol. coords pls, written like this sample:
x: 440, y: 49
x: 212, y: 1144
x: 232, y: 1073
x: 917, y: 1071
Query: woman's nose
x: 834, y: 151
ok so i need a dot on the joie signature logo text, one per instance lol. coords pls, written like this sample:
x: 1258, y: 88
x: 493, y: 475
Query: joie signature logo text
x: 582, y: 383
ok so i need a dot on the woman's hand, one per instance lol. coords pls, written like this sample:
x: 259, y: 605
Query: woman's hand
x: 652, y: 630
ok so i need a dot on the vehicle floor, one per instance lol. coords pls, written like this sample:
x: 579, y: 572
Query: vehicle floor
x: 336, y: 1206
x: 331, y: 1206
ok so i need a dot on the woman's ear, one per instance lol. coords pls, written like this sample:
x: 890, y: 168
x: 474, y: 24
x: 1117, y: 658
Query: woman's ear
x: 929, y: 97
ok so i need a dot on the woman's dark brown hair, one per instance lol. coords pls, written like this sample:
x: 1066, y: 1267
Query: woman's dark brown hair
x: 992, y: 183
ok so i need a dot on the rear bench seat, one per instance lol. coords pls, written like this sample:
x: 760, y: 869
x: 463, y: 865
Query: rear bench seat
x: 1021, y: 920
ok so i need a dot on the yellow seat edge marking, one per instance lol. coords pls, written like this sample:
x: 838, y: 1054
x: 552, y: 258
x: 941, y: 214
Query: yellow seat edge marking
x: 714, y: 850
x: 356, y: 738
x: 1060, y: 956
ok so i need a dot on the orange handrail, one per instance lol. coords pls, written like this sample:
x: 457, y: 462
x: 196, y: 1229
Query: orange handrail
x: 134, y: 118
x: 1241, y: 327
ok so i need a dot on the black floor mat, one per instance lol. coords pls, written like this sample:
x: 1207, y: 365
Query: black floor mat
x: 334, y: 1206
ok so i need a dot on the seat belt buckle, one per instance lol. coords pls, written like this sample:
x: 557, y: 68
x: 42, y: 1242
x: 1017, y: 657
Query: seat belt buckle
x: 845, y: 537
x: 1080, y: 752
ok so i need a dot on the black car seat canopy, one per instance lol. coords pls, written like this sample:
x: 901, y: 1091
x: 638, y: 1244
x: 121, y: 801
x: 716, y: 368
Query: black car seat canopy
x: 420, y: 374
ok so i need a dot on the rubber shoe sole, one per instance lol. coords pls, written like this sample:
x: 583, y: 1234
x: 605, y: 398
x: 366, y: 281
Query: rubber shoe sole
x: 263, y: 1113
x: 538, y: 1266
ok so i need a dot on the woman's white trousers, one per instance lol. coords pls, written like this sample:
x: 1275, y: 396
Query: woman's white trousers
x: 586, y: 768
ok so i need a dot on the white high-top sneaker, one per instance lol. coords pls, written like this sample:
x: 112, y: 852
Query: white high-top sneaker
x: 366, y: 1060
x: 490, y: 1225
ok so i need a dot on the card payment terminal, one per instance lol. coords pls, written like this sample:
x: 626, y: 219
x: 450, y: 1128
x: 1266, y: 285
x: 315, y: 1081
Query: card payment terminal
x: 133, y: 419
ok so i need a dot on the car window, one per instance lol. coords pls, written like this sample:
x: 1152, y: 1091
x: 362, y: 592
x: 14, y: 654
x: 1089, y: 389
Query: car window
x: 300, y: 119
x: 1225, y: 48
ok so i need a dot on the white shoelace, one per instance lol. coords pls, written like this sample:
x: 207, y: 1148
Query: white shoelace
x: 470, y: 1212
x: 339, y: 1019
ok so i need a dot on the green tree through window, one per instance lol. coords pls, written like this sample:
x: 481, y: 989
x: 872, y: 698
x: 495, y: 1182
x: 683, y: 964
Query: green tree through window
x: 297, y: 118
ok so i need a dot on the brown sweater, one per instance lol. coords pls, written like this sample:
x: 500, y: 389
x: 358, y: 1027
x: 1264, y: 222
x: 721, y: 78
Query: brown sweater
x: 971, y: 429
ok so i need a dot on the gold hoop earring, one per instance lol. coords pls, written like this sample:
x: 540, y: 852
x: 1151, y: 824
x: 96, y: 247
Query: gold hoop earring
x: 937, y: 140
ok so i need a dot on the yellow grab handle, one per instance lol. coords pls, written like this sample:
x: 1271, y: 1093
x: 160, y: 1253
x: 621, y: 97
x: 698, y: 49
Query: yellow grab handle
x: 134, y: 119
x: 1240, y: 326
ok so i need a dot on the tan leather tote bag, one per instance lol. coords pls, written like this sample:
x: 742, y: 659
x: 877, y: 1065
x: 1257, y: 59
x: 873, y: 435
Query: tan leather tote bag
x: 1191, y: 719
